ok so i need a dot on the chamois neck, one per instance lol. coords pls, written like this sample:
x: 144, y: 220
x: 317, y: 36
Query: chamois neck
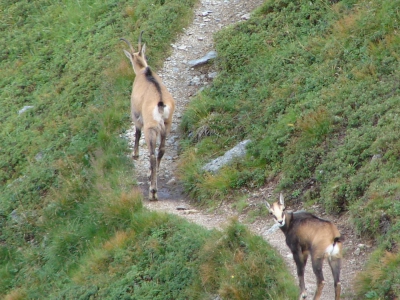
x: 288, y: 219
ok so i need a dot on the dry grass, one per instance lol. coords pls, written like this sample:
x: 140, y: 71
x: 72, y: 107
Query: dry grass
x: 117, y: 241
x: 17, y: 294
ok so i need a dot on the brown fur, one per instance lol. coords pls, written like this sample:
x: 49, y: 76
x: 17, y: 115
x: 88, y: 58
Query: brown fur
x: 152, y: 108
x: 307, y: 234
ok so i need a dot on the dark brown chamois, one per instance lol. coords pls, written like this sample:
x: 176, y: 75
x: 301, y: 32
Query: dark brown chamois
x: 152, y: 107
x: 307, y: 234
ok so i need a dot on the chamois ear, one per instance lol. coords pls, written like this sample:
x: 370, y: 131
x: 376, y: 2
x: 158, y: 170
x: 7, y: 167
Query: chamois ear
x: 143, y: 50
x: 128, y: 55
x: 281, y: 200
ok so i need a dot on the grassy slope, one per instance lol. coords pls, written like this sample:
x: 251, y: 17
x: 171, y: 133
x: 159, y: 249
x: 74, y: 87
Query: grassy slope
x: 315, y: 85
x: 72, y: 224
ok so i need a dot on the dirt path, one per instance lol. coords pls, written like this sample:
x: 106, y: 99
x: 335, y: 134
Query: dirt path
x: 183, y: 82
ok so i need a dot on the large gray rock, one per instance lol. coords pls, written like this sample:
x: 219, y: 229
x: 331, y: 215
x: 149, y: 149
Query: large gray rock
x: 238, y: 151
x: 203, y: 60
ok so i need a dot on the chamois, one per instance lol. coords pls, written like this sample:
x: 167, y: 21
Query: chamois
x: 307, y: 234
x: 152, y: 107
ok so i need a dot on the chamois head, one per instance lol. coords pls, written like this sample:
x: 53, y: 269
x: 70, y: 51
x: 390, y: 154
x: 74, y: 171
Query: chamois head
x: 277, y: 210
x: 137, y: 59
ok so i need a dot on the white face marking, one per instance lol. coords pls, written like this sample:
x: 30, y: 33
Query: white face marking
x: 277, y: 210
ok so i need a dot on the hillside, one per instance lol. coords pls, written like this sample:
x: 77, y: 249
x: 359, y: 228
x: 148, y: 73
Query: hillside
x: 315, y: 86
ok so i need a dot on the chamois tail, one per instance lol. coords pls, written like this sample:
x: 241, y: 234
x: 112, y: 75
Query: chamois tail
x: 150, y: 77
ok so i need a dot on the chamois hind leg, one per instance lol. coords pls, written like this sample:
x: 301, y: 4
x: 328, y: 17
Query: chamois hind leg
x: 335, y: 264
x: 138, y: 133
x: 161, y: 148
x: 300, y: 258
x: 151, y: 141
x: 317, y: 263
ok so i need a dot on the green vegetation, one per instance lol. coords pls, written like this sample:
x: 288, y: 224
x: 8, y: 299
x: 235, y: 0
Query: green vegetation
x: 72, y: 225
x: 315, y: 86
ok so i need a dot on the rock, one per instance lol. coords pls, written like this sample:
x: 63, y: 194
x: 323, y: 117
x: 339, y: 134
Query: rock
x: 271, y: 230
x: 194, y: 81
x: 246, y: 17
x: 24, y: 109
x: 182, y: 47
x: 212, y: 75
x: 15, y: 216
x: 376, y: 157
x: 238, y: 151
x: 361, y: 246
x: 171, y: 181
x: 205, y: 13
x: 190, y: 211
x: 203, y: 60
x: 182, y: 207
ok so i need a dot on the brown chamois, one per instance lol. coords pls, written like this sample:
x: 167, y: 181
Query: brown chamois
x: 307, y: 234
x: 152, y: 107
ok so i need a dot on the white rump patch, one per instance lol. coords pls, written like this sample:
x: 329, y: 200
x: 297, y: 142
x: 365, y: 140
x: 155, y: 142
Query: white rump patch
x: 166, y: 112
x: 332, y: 250
x: 156, y: 115
x: 161, y: 117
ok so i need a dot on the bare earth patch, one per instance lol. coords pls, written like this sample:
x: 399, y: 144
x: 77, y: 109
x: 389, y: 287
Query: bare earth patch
x: 183, y: 82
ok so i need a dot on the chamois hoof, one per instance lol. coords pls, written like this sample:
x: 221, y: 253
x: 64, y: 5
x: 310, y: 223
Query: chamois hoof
x: 135, y: 157
x: 153, y: 195
x: 303, y: 296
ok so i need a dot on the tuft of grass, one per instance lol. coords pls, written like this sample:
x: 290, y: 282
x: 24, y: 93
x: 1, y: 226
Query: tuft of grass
x: 380, y: 277
x: 232, y: 267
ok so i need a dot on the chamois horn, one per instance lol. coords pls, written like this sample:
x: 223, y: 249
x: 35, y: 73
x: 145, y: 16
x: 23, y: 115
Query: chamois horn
x: 140, y: 41
x: 129, y: 44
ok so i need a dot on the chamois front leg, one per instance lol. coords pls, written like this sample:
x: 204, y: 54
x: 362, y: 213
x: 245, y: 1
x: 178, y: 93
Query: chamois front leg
x: 135, y: 153
x: 300, y: 259
x: 151, y: 140
x: 317, y: 263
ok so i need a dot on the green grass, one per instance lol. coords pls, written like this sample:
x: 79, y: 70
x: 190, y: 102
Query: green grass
x: 315, y: 86
x: 72, y: 225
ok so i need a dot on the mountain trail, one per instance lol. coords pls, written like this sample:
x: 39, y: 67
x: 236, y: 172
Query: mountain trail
x: 184, y: 82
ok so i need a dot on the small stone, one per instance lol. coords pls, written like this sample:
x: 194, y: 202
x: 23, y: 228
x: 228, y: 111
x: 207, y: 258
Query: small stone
x: 376, y: 156
x: 245, y: 17
x: 181, y: 207
x: 190, y: 211
x: 25, y: 108
x: 171, y: 181
x: 206, y: 13
x: 212, y: 75
x: 182, y: 47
